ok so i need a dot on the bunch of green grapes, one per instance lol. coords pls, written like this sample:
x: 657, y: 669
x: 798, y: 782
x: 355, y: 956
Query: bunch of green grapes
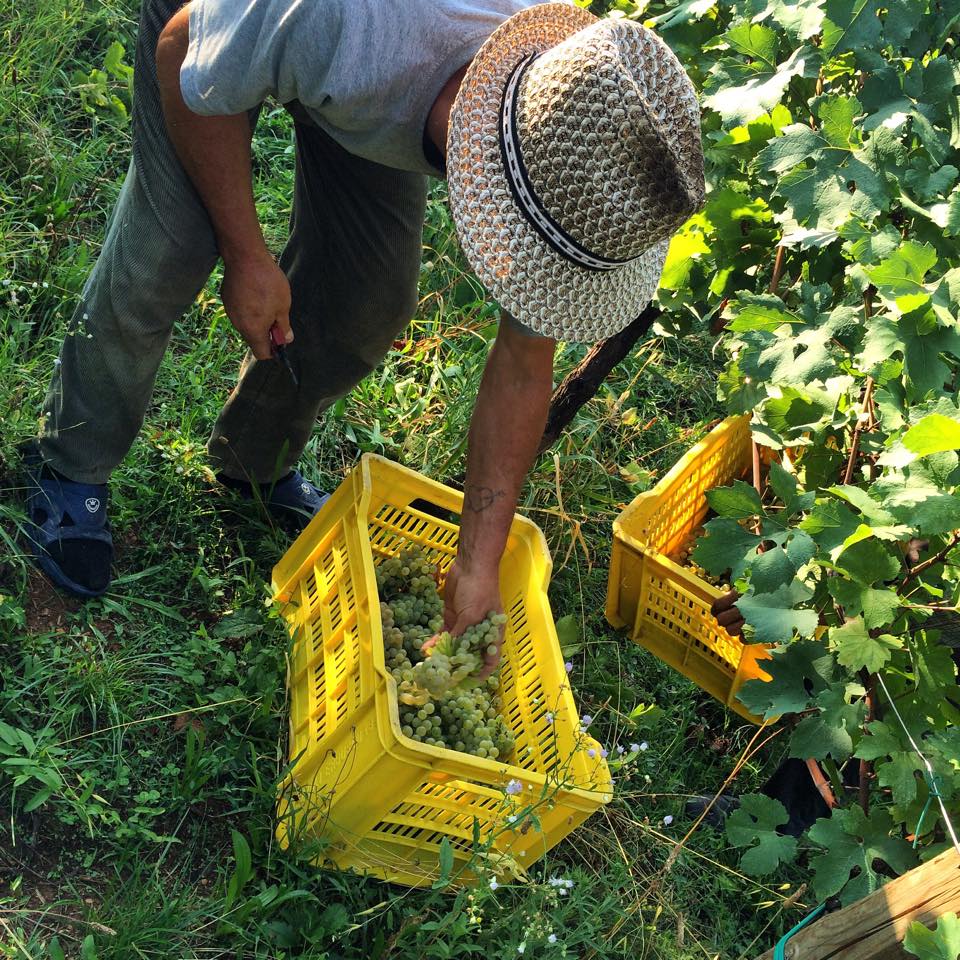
x: 452, y: 661
x: 442, y: 702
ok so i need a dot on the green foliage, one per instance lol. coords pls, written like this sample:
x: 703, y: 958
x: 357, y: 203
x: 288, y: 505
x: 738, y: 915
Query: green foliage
x: 832, y: 138
x: 941, y: 943
x: 754, y: 824
x: 96, y: 87
x: 852, y: 845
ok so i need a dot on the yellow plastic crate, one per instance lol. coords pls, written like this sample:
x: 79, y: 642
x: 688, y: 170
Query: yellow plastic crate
x: 666, y: 606
x: 380, y: 802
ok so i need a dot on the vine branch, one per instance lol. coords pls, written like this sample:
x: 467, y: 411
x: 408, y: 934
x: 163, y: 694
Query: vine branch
x: 857, y: 430
x: 938, y: 557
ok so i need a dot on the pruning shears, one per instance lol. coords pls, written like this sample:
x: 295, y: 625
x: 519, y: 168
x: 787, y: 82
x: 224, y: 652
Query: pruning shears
x: 279, y: 350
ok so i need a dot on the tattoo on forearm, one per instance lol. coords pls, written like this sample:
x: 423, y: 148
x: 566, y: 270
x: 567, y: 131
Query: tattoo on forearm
x: 478, y: 499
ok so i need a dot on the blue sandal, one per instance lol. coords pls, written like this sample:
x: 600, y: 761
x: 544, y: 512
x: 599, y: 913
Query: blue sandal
x: 293, y: 495
x: 68, y: 530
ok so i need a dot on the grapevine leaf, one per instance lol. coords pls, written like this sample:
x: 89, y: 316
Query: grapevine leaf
x: 801, y: 19
x: 938, y: 213
x: 901, y: 19
x: 727, y: 546
x: 879, y: 742
x: 914, y: 500
x: 878, y: 607
x: 899, y: 773
x: 795, y: 412
x: 836, y: 120
x: 930, y: 184
x: 759, y: 312
x: 740, y: 91
x: 850, y: 24
x: 890, y: 402
x: 773, y: 616
x: 951, y: 220
x: 900, y: 276
x: 831, y: 524
x: 856, y: 649
x: 920, y: 344
x: 934, y: 670
x: 771, y: 358
x: 737, y: 502
x: 796, y: 144
x: 740, y: 394
x: 754, y: 825
x: 682, y: 12
x: 829, y: 733
x: 786, y: 487
x: 868, y: 561
x: 866, y: 246
x: 754, y: 41
x: 924, y: 343
x: 941, y: 943
x: 933, y: 434
x: 780, y: 563
x: 685, y: 249
x: 873, y: 513
x: 852, y: 841
x: 882, y: 340
x: 799, y: 672
x: 825, y: 196
x: 843, y: 181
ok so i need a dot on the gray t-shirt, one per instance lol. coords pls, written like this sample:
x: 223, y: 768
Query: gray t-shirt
x: 366, y: 71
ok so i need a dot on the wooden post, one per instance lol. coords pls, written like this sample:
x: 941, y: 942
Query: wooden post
x: 873, y: 928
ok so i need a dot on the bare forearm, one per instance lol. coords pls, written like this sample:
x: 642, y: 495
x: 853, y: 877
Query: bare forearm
x: 215, y: 152
x: 505, y: 432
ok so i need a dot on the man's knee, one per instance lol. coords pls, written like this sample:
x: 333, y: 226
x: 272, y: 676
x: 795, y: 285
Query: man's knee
x: 382, y: 316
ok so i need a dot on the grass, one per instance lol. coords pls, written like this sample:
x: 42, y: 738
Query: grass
x: 144, y: 732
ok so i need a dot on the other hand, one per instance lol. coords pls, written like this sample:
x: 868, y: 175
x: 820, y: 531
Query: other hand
x: 728, y: 616
x: 468, y: 598
x: 256, y: 295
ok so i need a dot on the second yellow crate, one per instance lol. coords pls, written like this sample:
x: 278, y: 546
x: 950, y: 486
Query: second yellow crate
x: 666, y: 606
x: 382, y: 803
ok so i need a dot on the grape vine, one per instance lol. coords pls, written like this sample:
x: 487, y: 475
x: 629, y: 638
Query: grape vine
x: 827, y: 258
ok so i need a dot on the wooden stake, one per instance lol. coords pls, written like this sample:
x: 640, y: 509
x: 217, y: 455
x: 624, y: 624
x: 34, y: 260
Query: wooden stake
x: 874, y: 927
x: 584, y: 380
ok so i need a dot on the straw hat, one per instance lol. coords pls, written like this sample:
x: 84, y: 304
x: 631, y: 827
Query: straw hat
x: 573, y: 154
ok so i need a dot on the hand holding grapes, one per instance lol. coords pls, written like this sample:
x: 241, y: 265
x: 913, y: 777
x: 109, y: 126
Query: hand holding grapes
x: 442, y: 700
x: 468, y: 599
